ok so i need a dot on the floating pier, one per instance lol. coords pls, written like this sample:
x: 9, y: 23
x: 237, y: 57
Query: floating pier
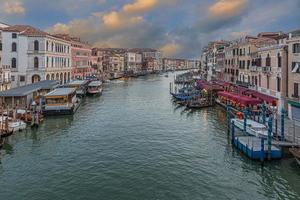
x: 256, y: 149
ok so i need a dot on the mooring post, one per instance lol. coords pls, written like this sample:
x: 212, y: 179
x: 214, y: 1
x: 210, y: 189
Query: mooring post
x: 245, y: 119
x: 232, y: 132
x: 228, y: 117
x: 276, y: 124
x: 264, y: 108
x: 282, y: 123
x: 270, y: 138
x: 262, y: 149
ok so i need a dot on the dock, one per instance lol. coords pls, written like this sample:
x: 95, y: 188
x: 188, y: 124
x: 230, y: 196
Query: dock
x: 255, y: 149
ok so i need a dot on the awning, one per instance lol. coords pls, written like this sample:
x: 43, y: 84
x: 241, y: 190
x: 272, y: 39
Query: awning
x: 240, y: 98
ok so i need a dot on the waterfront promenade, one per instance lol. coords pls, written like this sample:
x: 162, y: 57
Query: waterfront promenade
x: 134, y: 143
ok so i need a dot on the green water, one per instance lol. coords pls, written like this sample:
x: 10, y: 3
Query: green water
x: 134, y: 143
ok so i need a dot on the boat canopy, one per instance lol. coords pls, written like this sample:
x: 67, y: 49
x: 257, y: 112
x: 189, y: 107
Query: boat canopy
x: 240, y: 98
x: 95, y: 84
x: 77, y: 82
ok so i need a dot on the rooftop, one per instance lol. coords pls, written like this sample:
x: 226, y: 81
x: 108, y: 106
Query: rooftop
x: 26, y: 30
x: 28, y: 89
x: 61, y: 92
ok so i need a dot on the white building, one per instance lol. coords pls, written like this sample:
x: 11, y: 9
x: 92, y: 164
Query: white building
x: 4, y: 70
x: 133, y: 62
x: 34, y: 55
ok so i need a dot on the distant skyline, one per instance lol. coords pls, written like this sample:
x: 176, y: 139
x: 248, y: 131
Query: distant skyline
x: 180, y: 28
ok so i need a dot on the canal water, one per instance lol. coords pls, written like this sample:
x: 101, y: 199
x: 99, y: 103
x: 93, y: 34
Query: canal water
x: 134, y: 143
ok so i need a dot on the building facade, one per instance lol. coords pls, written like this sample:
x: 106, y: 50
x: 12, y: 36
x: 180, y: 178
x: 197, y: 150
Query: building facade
x: 293, y: 75
x: 5, y: 72
x: 34, y: 55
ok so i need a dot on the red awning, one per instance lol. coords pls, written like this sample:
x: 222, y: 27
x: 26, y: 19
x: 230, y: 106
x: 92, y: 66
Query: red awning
x: 240, y: 98
x: 263, y: 97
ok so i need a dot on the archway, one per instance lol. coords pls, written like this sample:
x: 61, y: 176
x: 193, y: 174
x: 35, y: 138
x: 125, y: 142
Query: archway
x: 35, y: 78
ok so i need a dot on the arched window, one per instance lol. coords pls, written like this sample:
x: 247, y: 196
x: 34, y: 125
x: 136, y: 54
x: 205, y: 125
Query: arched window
x: 14, y: 47
x: 279, y: 60
x: 268, y: 61
x: 13, y: 63
x: 36, y: 45
x: 36, y: 62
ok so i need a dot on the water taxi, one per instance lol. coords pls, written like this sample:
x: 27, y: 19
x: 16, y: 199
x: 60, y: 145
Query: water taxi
x: 252, y: 127
x: 61, y: 101
x: 80, y: 86
x: 95, y: 87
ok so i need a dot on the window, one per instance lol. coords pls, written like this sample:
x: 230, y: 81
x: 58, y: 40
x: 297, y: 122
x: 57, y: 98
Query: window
x: 36, y: 62
x: 268, y: 61
x: 12, y: 78
x: 22, y: 78
x: 296, y: 48
x: 258, y: 61
x: 36, y: 45
x: 14, y: 47
x: 0, y: 46
x: 296, y: 89
x: 268, y: 82
x: 296, y: 67
x: 248, y: 64
x: 279, y: 60
x: 278, y: 84
x: 13, y: 63
x: 14, y: 35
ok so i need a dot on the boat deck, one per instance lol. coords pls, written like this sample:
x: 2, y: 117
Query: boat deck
x: 251, y: 146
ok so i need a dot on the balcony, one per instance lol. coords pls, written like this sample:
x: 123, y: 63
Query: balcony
x: 266, y: 69
x: 253, y: 68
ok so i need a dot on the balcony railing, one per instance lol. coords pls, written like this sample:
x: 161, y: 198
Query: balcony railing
x: 266, y: 69
x: 253, y: 68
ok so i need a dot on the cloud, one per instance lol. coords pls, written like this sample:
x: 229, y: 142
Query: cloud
x: 227, y: 8
x: 140, y: 6
x: 119, y: 20
x: 12, y: 7
x: 170, y: 49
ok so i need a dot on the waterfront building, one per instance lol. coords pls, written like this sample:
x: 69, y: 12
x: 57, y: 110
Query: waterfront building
x: 293, y: 75
x: 133, y: 62
x: 116, y: 65
x: 34, y: 55
x: 81, y: 57
x: 5, y: 72
x: 213, y: 59
x: 268, y: 75
x: 246, y: 46
x: 23, y: 96
x: 232, y: 62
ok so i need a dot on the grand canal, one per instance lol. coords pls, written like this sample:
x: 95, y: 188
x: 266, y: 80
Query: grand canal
x: 134, y: 143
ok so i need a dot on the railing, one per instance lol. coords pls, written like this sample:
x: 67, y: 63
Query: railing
x: 253, y: 68
x: 266, y: 69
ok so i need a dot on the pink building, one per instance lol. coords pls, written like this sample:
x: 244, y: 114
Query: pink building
x: 81, y: 57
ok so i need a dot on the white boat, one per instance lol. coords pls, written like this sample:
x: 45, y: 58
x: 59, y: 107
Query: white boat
x: 252, y: 127
x: 95, y: 87
x: 13, y: 125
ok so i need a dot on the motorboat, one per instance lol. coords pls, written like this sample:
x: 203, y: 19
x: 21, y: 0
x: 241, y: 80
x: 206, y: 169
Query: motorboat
x: 12, y: 125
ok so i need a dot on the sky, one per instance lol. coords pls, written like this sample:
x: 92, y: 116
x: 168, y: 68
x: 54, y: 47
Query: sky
x: 179, y: 28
